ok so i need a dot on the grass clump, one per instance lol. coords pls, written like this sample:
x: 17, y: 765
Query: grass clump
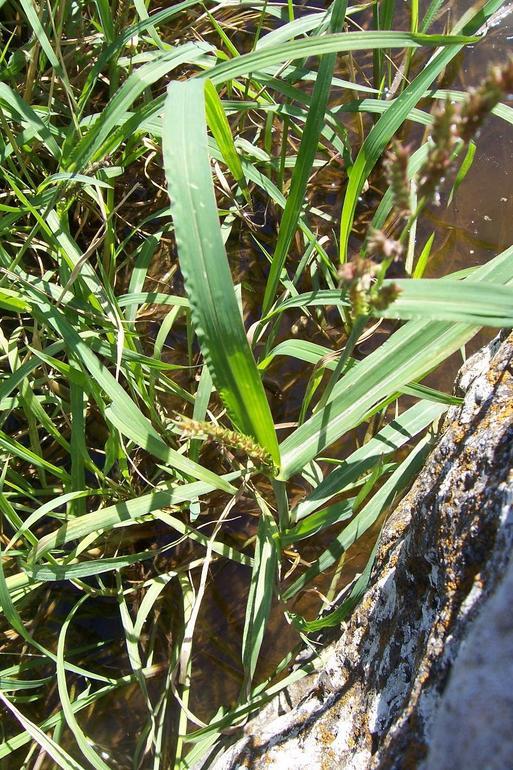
x: 139, y: 352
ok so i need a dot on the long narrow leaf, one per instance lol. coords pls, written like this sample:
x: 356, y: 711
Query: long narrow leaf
x: 261, y: 590
x: 214, y: 307
x: 443, y: 300
x: 342, y: 42
x: 59, y: 756
x: 365, y: 518
x: 302, y: 169
x: 123, y: 412
x: 396, y: 434
x: 106, y: 518
x: 218, y: 124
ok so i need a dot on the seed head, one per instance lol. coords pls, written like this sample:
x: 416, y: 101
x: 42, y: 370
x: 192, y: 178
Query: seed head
x: 453, y: 124
x: 365, y: 293
x: 481, y: 100
x: 378, y: 245
x: 445, y: 137
x: 396, y: 173
x: 385, y: 296
x: 230, y: 439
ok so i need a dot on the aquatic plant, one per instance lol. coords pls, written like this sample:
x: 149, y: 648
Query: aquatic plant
x: 139, y: 348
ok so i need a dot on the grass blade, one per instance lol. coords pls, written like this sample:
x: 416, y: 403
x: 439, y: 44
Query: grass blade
x: 335, y: 618
x: 214, y: 307
x: 261, y: 591
x: 87, y: 150
x: 39, y: 32
x: 218, y: 124
x: 396, y: 434
x: 59, y: 756
x: 77, y: 732
x: 107, y: 518
x: 123, y: 412
x: 406, y: 356
x: 307, y: 151
x: 342, y: 42
x: 365, y: 518
x: 443, y: 300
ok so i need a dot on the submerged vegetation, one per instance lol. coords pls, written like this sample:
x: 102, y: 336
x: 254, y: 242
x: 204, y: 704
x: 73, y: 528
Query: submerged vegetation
x: 165, y: 263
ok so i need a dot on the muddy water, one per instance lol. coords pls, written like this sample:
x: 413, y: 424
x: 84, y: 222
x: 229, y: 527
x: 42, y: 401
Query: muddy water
x: 476, y: 227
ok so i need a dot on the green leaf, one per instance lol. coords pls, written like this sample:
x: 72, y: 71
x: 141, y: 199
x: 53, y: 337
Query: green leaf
x: 320, y: 297
x: 420, y: 267
x: 110, y: 53
x: 261, y: 590
x: 30, y: 117
x: 107, y: 518
x: 214, y: 307
x: 218, y: 124
x: 318, y: 521
x: 304, y: 350
x: 408, y: 355
x: 11, y: 300
x: 463, y: 169
x: 34, y: 21
x: 396, y: 434
x: 306, y: 155
x: 88, y: 148
x: 59, y: 756
x: 75, y: 571
x: 430, y: 15
x: 447, y: 300
x: 342, y: 42
x: 365, y: 519
x: 335, y: 618
x: 123, y: 412
x: 83, y: 743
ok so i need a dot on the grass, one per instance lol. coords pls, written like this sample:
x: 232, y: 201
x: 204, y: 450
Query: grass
x: 139, y: 149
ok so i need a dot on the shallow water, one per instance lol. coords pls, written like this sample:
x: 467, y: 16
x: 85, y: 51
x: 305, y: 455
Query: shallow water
x: 477, y: 226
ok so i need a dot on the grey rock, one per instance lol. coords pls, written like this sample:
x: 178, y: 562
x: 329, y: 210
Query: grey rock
x: 473, y: 727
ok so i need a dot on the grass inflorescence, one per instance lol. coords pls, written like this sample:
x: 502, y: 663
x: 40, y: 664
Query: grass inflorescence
x: 229, y: 439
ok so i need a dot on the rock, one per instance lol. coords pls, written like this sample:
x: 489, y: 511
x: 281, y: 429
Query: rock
x: 422, y: 674
x: 473, y: 726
